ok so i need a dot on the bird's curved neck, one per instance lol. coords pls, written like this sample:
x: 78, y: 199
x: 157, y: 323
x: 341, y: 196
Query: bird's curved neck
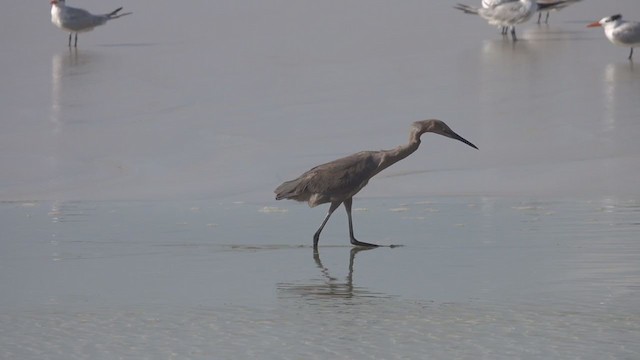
x: 405, y: 150
x: 390, y: 157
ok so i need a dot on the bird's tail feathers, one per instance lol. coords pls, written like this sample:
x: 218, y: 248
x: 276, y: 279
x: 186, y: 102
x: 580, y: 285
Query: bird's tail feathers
x: 466, y: 9
x: 285, y: 189
x: 288, y: 190
x: 114, y: 14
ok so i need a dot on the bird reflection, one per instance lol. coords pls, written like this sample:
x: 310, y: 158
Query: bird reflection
x: 330, y: 288
x: 498, y: 50
x: 63, y: 65
x: 57, y: 67
x: 619, y: 93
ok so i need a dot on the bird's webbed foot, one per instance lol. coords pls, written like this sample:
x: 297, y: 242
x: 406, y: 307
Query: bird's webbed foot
x: 355, y: 242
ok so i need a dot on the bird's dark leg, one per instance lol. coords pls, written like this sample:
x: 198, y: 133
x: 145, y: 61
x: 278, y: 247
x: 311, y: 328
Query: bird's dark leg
x: 631, y: 54
x: 316, y: 236
x: 513, y: 33
x: 75, y: 44
x: 546, y: 19
x: 539, y: 17
x: 70, y: 34
x: 505, y: 29
x: 347, y: 206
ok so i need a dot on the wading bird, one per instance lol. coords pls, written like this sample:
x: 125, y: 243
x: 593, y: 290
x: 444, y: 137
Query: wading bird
x: 555, y: 6
x: 507, y: 14
x: 620, y: 32
x: 493, y: 3
x: 76, y: 20
x: 336, y: 182
x: 490, y: 4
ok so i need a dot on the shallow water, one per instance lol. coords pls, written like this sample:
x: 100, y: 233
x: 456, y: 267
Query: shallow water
x: 229, y: 100
x: 473, y: 278
x: 136, y: 208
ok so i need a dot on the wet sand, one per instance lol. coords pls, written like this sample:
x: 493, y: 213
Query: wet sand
x: 136, y: 204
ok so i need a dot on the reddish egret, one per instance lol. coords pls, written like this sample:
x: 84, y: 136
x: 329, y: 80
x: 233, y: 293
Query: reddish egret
x: 76, y: 20
x: 620, y: 32
x: 336, y: 182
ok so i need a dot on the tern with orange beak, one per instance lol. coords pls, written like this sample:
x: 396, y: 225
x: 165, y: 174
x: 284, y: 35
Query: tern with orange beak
x: 620, y: 32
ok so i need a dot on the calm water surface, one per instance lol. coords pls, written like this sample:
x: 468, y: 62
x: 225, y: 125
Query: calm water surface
x: 474, y: 278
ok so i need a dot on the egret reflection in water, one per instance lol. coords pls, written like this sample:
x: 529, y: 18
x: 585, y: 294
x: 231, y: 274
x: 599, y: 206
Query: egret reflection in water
x: 329, y: 288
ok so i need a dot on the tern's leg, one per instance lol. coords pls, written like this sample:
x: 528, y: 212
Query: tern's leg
x: 546, y: 19
x: 513, y: 33
x: 70, y: 34
x: 75, y: 44
x: 631, y: 54
x: 539, y: 16
x: 316, y: 236
x: 347, y: 206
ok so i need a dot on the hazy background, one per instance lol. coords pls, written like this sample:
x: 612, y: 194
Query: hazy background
x: 213, y: 99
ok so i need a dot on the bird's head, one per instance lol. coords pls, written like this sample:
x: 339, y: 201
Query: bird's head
x: 437, y: 127
x: 604, y: 21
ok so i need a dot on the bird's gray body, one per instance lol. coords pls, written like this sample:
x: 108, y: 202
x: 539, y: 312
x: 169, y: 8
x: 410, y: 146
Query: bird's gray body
x: 552, y: 5
x: 508, y: 13
x: 504, y: 14
x: 625, y: 33
x: 620, y: 32
x: 336, y: 182
x: 333, y: 181
x: 75, y: 20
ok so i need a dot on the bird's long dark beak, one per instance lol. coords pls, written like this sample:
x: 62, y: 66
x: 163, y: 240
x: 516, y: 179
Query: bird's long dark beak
x: 453, y: 135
